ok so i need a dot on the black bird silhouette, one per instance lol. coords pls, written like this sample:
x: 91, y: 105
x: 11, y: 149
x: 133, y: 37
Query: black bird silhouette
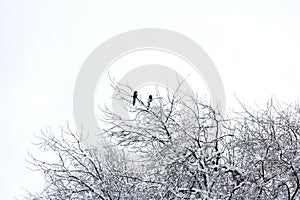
x: 149, y: 100
x: 134, y: 97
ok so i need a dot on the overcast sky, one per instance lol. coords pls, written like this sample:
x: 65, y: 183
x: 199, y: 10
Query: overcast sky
x: 255, y: 46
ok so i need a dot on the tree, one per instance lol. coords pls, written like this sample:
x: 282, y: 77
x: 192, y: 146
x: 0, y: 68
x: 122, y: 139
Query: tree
x: 180, y: 147
x: 265, y: 149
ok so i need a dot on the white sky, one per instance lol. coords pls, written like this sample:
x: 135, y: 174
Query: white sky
x: 255, y: 46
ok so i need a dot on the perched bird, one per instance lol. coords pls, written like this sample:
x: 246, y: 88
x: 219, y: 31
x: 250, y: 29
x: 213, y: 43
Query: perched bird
x: 135, y: 94
x: 149, y: 100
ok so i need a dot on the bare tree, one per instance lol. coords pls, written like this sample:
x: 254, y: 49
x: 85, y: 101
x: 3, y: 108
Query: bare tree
x: 81, y: 172
x: 265, y: 150
x: 179, y: 140
x: 179, y: 147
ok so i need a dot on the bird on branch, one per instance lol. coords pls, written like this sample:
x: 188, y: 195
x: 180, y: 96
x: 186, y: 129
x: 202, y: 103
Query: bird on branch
x: 149, y: 101
x: 135, y: 94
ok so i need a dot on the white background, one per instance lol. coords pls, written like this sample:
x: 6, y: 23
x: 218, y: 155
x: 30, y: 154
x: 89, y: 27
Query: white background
x: 255, y: 46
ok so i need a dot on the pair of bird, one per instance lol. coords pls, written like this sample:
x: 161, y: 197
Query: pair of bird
x: 135, y: 96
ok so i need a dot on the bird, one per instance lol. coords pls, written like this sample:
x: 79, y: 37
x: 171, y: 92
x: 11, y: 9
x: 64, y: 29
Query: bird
x: 149, y: 100
x: 135, y: 94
